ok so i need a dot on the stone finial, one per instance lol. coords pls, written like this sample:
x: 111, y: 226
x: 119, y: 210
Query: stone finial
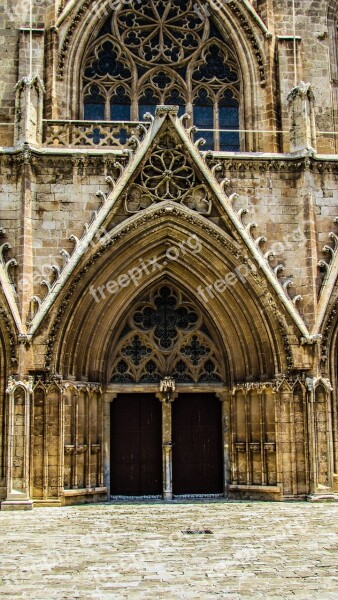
x: 302, y: 127
x: 29, y: 110
x: 164, y: 109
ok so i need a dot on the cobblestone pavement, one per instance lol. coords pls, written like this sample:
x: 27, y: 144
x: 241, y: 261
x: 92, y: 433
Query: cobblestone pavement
x: 138, y: 551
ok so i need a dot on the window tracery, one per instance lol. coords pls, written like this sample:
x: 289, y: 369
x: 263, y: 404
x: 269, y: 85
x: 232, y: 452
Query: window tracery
x: 163, y: 52
x: 168, y: 175
x: 165, y: 335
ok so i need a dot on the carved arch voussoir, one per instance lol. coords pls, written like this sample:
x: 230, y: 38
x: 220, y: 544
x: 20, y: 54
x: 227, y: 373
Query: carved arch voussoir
x: 328, y: 329
x: 10, y: 334
x: 192, y: 221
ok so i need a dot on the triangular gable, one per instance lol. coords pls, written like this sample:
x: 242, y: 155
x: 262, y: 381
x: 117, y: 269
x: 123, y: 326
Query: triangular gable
x: 205, y: 182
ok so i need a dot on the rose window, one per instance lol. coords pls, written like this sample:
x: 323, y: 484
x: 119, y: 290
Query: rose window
x: 167, y: 176
x: 160, y: 32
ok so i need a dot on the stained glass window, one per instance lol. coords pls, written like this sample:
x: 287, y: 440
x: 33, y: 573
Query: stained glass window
x: 164, y: 52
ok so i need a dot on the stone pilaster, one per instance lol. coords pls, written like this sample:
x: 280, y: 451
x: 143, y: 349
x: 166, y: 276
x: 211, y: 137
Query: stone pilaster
x: 320, y: 439
x: 225, y: 398
x: 108, y: 397
x: 19, y: 396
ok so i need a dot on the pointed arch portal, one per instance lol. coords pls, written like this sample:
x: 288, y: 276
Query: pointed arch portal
x: 176, y: 449
x: 176, y: 288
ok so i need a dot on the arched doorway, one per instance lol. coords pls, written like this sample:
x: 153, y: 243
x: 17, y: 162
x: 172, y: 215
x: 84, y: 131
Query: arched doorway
x: 176, y: 449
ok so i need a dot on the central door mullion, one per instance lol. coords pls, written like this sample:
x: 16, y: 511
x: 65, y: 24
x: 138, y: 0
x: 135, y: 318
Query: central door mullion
x: 167, y: 448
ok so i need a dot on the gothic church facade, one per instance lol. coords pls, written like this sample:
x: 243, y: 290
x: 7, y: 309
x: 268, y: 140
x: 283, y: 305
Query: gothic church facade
x: 169, y: 251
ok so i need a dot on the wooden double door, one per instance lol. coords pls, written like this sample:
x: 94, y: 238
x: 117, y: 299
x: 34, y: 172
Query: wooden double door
x: 136, y: 465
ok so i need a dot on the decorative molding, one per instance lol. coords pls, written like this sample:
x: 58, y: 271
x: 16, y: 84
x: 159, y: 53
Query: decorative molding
x: 6, y: 319
x: 263, y: 277
x: 33, y: 81
x: 275, y: 385
x: 304, y: 90
x: 26, y: 384
x: 245, y: 25
x: 312, y: 383
x: 331, y: 274
x: 327, y: 333
x: 7, y: 283
x: 67, y: 40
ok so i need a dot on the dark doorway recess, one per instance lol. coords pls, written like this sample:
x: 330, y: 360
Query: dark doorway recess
x: 136, y: 445
x: 197, y: 449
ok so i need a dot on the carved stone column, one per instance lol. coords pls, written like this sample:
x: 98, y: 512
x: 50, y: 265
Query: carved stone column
x: 19, y: 395
x: 320, y: 439
x: 302, y: 116
x: 167, y: 456
x: 108, y: 397
x: 225, y: 398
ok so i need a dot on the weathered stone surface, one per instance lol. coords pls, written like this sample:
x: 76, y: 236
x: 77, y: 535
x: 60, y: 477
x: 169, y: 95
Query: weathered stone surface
x: 261, y: 550
x: 90, y: 224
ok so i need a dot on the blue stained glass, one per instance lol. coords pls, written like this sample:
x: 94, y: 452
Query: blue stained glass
x: 94, y: 111
x: 120, y: 105
x: 229, y: 141
x: 174, y: 98
x: 147, y: 103
x: 204, y: 118
x: 119, y: 112
x: 229, y: 119
x: 94, y: 105
x: 144, y: 108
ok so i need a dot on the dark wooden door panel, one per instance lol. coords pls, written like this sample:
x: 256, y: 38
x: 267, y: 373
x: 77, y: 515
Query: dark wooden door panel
x: 197, y: 449
x: 136, y: 445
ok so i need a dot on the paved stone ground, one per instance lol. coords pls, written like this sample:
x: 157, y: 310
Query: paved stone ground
x: 138, y: 551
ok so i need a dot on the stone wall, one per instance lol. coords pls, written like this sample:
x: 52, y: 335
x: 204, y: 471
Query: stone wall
x: 283, y: 187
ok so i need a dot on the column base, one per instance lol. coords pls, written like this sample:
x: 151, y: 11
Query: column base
x: 335, y: 483
x: 17, y: 505
x: 167, y: 496
x: 320, y: 497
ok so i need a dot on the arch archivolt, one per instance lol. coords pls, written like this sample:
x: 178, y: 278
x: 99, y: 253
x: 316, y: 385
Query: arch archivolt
x: 8, y: 367
x: 88, y: 325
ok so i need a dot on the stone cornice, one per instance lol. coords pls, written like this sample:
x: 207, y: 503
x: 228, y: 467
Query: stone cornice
x: 241, y: 161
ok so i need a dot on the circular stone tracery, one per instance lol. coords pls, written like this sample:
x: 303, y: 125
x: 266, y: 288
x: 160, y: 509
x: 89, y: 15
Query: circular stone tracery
x: 167, y: 176
x: 161, y: 31
x: 166, y: 334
